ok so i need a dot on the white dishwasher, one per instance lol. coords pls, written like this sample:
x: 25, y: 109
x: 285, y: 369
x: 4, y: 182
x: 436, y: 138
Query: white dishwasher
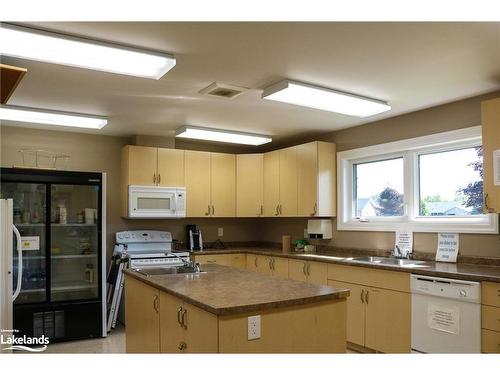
x: 446, y: 315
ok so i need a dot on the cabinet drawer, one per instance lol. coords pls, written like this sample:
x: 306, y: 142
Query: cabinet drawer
x: 490, y: 294
x: 490, y: 318
x: 490, y: 341
x: 232, y: 260
x: 393, y: 280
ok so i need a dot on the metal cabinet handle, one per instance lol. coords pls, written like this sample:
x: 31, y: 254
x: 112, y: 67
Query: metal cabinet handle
x: 304, y: 269
x: 182, y: 346
x: 277, y: 210
x: 184, y: 319
x: 281, y: 209
x: 315, y: 209
x: 154, y: 178
x: 213, y: 210
x: 270, y: 264
x: 211, y: 261
x: 179, y: 312
x: 308, y: 269
x: 159, y: 178
x: 156, y: 303
x: 255, y: 262
x: 208, y: 211
x: 366, y: 296
x: 261, y: 211
x: 274, y: 263
x: 362, y: 296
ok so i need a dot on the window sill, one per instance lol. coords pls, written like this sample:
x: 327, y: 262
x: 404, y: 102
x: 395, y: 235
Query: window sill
x: 485, y: 224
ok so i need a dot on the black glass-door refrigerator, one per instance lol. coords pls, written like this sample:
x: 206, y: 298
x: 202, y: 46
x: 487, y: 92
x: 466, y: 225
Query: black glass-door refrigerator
x: 61, y: 218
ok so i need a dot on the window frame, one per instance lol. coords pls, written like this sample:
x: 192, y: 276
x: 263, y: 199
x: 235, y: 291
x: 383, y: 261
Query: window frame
x: 409, y: 150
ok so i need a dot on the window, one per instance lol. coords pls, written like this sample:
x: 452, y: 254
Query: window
x: 379, y: 188
x: 450, y: 183
x: 426, y: 184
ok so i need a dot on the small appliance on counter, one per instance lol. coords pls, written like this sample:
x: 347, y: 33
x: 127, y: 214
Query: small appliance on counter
x: 194, y: 238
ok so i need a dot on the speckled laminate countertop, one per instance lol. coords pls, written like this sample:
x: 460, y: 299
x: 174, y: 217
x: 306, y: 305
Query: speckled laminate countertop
x: 462, y: 271
x: 225, y: 290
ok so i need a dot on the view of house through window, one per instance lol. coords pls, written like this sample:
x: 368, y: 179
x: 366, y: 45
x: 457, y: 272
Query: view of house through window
x: 379, y: 188
x: 451, y: 183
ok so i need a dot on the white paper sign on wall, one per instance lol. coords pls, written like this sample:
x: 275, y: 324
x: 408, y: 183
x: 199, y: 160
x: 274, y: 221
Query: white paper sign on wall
x: 447, y: 249
x: 404, y: 242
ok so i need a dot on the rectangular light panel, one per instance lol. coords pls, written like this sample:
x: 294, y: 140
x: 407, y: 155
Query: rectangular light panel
x: 306, y: 95
x: 222, y: 136
x: 38, y: 116
x: 54, y: 48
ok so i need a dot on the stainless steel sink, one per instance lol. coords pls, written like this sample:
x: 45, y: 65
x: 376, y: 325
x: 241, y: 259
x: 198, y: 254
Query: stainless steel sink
x: 391, y: 261
x: 167, y: 270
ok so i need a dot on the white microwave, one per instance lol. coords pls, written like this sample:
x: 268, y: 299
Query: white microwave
x: 156, y: 202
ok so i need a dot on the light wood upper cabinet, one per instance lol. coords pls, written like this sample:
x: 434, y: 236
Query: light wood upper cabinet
x: 139, y: 165
x: 316, y: 179
x: 197, y: 174
x: 223, y: 185
x: 249, y: 185
x: 271, y: 183
x: 288, y: 181
x: 490, y: 114
x: 170, y: 167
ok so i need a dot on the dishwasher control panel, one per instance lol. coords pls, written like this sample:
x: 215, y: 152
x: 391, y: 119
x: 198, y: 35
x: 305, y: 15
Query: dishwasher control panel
x: 469, y: 291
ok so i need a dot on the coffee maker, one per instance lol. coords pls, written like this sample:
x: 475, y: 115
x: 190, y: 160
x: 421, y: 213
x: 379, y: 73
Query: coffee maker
x: 194, y: 240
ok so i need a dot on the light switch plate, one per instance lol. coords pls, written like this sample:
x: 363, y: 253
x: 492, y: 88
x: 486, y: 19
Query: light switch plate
x: 254, y: 327
x: 220, y: 232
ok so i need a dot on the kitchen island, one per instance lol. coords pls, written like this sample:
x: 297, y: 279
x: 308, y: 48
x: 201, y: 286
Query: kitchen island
x: 209, y: 312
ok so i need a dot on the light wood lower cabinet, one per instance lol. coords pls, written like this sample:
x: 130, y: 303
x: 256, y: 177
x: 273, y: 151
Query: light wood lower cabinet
x: 274, y: 266
x: 309, y: 272
x: 231, y: 260
x: 142, y: 317
x: 490, y: 317
x: 185, y: 328
x: 378, y: 318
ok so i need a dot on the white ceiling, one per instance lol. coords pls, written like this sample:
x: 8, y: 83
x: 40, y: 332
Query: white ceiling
x: 410, y: 65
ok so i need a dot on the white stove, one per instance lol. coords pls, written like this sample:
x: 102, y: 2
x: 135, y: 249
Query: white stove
x: 137, y: 249
x: 148, y: 248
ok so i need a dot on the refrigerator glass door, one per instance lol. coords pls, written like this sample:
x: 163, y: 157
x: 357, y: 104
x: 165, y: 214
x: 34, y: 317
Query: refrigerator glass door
x: 74, y: 242
x: 29, y: 218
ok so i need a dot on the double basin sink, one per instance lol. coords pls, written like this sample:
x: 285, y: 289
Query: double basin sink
x: 377, y: 260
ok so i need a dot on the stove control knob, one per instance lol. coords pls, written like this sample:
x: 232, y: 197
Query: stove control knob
x: 463, y: 293
x: 127, y: 235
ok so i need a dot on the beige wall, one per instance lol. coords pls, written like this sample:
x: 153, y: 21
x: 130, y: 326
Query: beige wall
x: 102, y: 154
x: 456, y: 115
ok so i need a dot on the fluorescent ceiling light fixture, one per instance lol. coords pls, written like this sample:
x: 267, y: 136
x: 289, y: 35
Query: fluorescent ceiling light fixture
x: 55, y: 48
x: 306, y: 95
x: 222, y: 136
x: 40, y: 116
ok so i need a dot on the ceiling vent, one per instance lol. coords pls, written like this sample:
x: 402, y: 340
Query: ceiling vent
x: 223, y: 90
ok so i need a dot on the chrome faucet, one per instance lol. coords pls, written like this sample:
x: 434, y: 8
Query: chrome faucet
x: 397, y: 253
x: 191, y: 264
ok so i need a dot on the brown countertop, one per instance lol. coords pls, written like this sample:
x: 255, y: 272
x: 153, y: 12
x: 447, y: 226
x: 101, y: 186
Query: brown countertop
x: 225, y: 290
x: 462, y: 271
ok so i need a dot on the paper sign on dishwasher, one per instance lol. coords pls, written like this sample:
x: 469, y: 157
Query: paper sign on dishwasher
x: 445, y: 319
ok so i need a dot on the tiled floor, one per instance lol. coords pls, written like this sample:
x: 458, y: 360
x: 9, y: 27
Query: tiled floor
x: 113, y: 343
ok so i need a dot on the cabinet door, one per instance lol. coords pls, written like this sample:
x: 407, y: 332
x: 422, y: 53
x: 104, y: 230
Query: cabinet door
x: 142, y: 165
x: 223, y: 185
x: 327, y: 179
x: 263, y: 264
x: 356, y: 312
x: 200, y: 330
x: 171, y: 331
x: 170, y: 167
x: 307, y: 179
x: 142, y: 317
x: 249, y: 185
x: 279, y: 267
x: 317, y: 273
x: 252, y: 262
x: 271, y: 183
x: 388, y: 320
x: 490, y: 113
x: 297, y: 270
x: 197, y: 174
x: 288, y: 181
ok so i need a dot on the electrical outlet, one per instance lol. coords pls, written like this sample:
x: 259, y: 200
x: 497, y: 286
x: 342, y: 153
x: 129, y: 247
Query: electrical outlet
x: 254, y: 327
x: 220, y: 232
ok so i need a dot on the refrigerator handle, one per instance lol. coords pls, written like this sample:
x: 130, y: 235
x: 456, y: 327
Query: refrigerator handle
x: 19, y: 262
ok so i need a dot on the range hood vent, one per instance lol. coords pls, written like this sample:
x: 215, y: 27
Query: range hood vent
x: 223, y: 90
